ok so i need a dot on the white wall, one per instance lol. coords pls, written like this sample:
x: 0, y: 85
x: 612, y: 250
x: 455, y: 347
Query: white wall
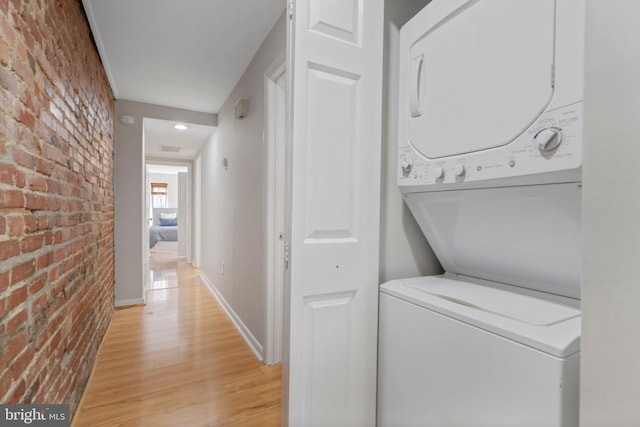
x: 172, y: 186
x: 610, y: 377
x: 233, y: 215
x: 404, y: 251
x: 129, y: 184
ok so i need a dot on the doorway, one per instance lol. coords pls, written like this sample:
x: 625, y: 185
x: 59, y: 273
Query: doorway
x: 276, y: 240
x: 167, y: 208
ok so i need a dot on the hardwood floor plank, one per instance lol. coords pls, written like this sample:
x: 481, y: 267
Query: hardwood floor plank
x: 178, y: 361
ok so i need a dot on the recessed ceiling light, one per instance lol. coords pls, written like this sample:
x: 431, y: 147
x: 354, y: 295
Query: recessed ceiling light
x: 181, y: 127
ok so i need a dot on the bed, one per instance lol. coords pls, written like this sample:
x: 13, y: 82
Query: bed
x: 165, y: 226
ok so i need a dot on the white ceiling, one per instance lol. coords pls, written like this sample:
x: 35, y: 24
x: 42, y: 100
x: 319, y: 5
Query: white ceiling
x: 185, y: 54
x: 161, y: 133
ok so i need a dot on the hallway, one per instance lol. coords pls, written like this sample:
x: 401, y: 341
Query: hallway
x: 178, y: 361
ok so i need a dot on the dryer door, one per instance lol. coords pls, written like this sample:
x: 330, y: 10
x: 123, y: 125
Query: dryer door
x: 479, y: 74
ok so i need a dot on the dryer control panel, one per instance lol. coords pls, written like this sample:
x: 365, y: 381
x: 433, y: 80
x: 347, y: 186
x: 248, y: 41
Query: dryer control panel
x: 553, y: 143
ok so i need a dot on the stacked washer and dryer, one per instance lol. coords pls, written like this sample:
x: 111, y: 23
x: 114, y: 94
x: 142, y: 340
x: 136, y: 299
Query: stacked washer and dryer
x: 489, y: 162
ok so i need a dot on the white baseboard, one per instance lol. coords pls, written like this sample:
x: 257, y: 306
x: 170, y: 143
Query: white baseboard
x: 126, y: 302
x: 251, y: 341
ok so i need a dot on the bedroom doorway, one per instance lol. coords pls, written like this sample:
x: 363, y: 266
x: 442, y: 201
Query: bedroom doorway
x: 167, y: 212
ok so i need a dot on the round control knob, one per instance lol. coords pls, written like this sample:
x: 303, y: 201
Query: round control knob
x: 548, y: 139
x: 438, y: 172
x: 459, y: 170
x: 407, y: 166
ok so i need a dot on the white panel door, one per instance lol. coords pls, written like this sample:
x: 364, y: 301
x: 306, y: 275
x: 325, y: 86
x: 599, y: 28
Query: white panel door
x: 335, y: 49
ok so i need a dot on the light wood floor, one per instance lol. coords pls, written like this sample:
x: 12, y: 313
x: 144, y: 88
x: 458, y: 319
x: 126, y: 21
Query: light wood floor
x: 178, y: 361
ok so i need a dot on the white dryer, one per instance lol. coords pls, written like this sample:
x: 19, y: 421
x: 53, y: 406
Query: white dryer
x: 489, y: 162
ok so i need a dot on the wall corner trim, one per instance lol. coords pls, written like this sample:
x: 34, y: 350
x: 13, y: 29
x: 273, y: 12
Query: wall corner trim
x: 253, y: 343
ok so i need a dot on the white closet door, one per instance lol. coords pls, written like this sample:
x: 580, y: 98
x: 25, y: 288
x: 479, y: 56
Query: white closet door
x: 335, y: 49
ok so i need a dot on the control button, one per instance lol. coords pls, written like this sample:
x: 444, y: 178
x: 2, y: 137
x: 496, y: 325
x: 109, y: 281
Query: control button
x: 512, y: 163
x: 407, y: 166
x: 459, y: 170
x: 438, y: 172
x: 548, y: 139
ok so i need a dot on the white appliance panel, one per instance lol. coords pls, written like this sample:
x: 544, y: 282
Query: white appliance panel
x: 542, y: 321
x: 491, y: 91
x: 524, y: 236
x: 436, y: 371
x: 499, y: 74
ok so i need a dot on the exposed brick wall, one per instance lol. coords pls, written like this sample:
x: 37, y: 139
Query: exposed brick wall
x: 56, y: 201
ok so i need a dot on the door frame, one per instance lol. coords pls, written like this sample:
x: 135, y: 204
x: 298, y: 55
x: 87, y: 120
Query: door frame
x: 188, y: 206
x: 275, y: 196
x: 196, y: 193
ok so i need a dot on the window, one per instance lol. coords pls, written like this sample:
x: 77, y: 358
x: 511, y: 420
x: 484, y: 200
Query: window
x: 159, y: 194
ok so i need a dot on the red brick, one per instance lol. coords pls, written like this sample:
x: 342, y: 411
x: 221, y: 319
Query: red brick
x: 22, y: 157
x: 17, y: 394
x: 11, y: 199
x: 43, y: 166
x: 22, y: 69
x: 21, y: 181
x: 7, y: 173
x: 44, y: 261
x: 53, y: 153
x: 16, y: 322
x: 20, y: 363
x: 43, y: 222
x: 26, y: 117
x: 17, y: 297
x: 32, y: 103
x: 5, y: 308
x: 37, y: 183
x: 15, y: 225
x: 4, y: 53
x: 4, y: 281
x: 27, y: 139
x: 3, y: 225
x: 5, y: 381
x: 5, y: 102
x: 22, y: 271
x: 38, y: 304
x: 13, y: 348
x: 35, y: 202
x: 37, y: 284
x: 31, y: 243
x: 9, y: 249
x: 54, y: 186
x: 30, y: 223
x: 8, y: 80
